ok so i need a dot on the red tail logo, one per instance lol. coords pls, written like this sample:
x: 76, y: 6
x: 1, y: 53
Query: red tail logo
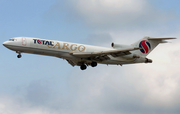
x: 145, y: 46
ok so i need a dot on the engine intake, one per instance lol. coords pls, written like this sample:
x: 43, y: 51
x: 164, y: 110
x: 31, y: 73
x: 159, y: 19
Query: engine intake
x: 120, y: 46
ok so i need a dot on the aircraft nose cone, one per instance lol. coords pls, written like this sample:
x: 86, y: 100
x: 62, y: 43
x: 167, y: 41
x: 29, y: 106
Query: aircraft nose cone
x: 5, y: 44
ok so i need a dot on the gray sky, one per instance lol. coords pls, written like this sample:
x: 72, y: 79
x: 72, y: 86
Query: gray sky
x: 46, y: 85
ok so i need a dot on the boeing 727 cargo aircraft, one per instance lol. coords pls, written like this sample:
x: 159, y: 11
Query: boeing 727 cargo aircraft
x: 85, y: 55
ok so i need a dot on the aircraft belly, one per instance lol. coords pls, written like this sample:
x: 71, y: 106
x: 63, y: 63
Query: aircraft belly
x: 13, y: 48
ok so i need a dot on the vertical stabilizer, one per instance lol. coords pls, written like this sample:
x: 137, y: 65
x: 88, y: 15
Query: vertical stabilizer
x: 147, y: 44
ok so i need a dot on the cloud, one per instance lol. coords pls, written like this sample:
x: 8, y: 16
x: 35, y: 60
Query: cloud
x: 10, y: 105
x: 101, y: 11
x: 112, y: 14
x: 100, y: 39
x: 38, y: 92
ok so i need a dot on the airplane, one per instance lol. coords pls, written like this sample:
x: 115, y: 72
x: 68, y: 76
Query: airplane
x: 87, y: 55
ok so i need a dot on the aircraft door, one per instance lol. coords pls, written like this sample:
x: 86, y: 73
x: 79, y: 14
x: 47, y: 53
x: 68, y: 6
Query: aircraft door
x: 24, y: 41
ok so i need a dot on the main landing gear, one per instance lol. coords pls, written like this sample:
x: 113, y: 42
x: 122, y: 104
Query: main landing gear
x: 83, y: 67
x: 93, y: 64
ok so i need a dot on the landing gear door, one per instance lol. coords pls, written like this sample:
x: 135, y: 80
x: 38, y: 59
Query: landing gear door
x: 24, y: 41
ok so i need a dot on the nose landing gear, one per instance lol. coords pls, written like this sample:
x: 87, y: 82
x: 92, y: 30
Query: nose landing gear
x: 19, y: 55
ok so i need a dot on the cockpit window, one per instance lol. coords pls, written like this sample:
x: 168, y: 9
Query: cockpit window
x: 11, y: 40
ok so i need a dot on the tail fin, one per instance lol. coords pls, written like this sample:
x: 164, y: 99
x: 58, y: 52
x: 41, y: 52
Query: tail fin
x: 147, y: 44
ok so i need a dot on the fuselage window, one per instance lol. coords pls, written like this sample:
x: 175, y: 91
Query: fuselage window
x: 11, y: 39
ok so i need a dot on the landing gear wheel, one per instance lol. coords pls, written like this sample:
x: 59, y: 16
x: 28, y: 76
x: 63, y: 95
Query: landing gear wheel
x: 19, y: 56
x: 83, y: 67
x: 93, y: 64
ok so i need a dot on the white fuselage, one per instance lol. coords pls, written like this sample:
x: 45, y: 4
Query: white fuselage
x: 63, y: 49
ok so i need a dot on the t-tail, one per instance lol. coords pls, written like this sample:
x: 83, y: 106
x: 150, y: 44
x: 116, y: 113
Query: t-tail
x: 147, y: 44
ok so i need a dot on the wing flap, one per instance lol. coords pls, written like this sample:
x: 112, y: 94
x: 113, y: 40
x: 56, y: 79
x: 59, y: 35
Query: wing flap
x: 72, y: 63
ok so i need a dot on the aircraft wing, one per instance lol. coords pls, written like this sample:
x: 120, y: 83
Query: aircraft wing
x: 103, y: 55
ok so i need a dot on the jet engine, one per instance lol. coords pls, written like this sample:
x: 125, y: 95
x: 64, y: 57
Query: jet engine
x: 120, y: 46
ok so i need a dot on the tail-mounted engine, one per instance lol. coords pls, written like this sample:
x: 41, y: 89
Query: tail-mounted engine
x: 120, y: 46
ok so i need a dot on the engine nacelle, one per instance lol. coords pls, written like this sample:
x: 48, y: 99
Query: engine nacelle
x: 120, y: 46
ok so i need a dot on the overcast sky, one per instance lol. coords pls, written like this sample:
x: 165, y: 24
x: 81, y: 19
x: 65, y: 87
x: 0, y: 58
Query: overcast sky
x: 38, y: 84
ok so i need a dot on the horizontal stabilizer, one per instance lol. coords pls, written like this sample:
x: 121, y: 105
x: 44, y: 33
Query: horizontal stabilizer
x: 161, y: 38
